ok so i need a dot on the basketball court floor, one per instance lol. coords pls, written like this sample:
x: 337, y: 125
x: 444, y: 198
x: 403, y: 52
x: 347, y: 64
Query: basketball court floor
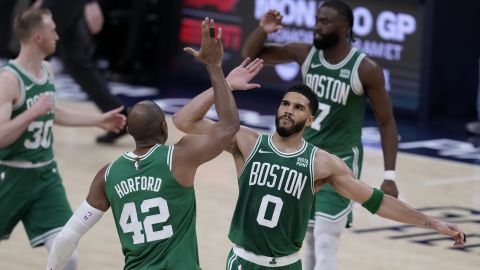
x: 441, y: 188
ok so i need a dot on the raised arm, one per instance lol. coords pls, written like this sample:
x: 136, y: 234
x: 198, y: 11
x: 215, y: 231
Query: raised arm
x: 84, y: 218
x: 193, y: 150
x: 211, y: 56
x: 190, y: 118
x: 333, y: 170
x: 255, y: 46
x: 11, y: 129
x: 373, y: 81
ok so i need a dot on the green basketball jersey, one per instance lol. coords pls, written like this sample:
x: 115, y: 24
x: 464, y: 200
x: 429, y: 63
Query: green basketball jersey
x: 338, y: 123
x: 35, y: 143
x: 153, y: 213
x: 275, y: 198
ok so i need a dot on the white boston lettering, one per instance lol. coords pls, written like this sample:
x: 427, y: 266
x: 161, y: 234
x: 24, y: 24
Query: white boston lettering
x: 328, y: 88
x: 289, y: 180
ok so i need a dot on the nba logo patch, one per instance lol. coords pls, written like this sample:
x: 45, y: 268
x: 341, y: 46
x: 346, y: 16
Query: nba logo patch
x: 240, y: 267
x: 345, y: 73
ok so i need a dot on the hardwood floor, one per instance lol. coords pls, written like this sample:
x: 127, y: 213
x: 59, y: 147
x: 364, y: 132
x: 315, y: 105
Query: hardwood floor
x: 451, y: 187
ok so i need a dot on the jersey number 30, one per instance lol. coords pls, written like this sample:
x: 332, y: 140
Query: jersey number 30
x: 42, y: 135
x: 129, y: 212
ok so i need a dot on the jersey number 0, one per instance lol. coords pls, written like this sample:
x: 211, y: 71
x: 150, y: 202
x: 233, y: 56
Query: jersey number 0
x: 277, y: 209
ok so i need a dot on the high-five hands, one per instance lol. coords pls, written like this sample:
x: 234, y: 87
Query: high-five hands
x: 239, y: 78
x: 271, y: 21
x: 211, y: 50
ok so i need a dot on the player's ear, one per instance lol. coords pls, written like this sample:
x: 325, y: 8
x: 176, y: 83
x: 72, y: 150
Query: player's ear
x: 37, y: 37
x: 344, y: 27
x: 164, y: 129
x: 309, y: 120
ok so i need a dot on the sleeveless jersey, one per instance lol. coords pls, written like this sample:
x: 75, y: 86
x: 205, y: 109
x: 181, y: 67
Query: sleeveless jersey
x: 153, y: 213
x: 338, y: 123
x: 275, y: 198
x: 35, y: 143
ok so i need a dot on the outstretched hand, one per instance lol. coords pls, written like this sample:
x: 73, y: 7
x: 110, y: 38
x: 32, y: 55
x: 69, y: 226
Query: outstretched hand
x: 451, y: 230
x: 113, y: 120
x: 211, y: 49
x: 271, y: 21
x: 239, y: 77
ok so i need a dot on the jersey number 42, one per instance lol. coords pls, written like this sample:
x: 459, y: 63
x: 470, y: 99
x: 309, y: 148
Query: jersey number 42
x: 129, y: 213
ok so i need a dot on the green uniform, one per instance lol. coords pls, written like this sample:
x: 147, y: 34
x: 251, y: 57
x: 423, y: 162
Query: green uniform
x: 275, y: 199
x: 338, y: 125
x: 30, y: 187
x: 154, y: 214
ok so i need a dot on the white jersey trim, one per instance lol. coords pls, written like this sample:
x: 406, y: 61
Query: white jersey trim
x: 283, y: 154
x: 23, y: 94
x: 306, y: 63
x: 43, y: 80
x: 312, y: 170
x: 250, y: 156
x: 132, y: 156
x: 338, y: 65
x: 357, y: 85
x: 337, y: 216
x: 265, y: 260
x: 107, y: 171
x: 24, y: 164
x: 41, y: 238
x: 231, y: 260
x: 356, y: 156
x: 170, y: 157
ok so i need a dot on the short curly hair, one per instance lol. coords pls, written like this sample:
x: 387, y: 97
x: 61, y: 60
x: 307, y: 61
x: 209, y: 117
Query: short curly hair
x: 307, y: 92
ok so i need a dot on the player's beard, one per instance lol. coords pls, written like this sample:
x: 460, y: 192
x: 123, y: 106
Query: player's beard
x: 286, y: 132
x: 48, y: 49
x: 327, y: 41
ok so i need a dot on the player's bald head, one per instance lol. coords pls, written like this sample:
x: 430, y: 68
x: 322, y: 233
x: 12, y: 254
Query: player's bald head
x: 146, y: 121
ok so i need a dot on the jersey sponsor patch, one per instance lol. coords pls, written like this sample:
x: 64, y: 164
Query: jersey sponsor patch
x: 345, y: 73
x: 302, y: 162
